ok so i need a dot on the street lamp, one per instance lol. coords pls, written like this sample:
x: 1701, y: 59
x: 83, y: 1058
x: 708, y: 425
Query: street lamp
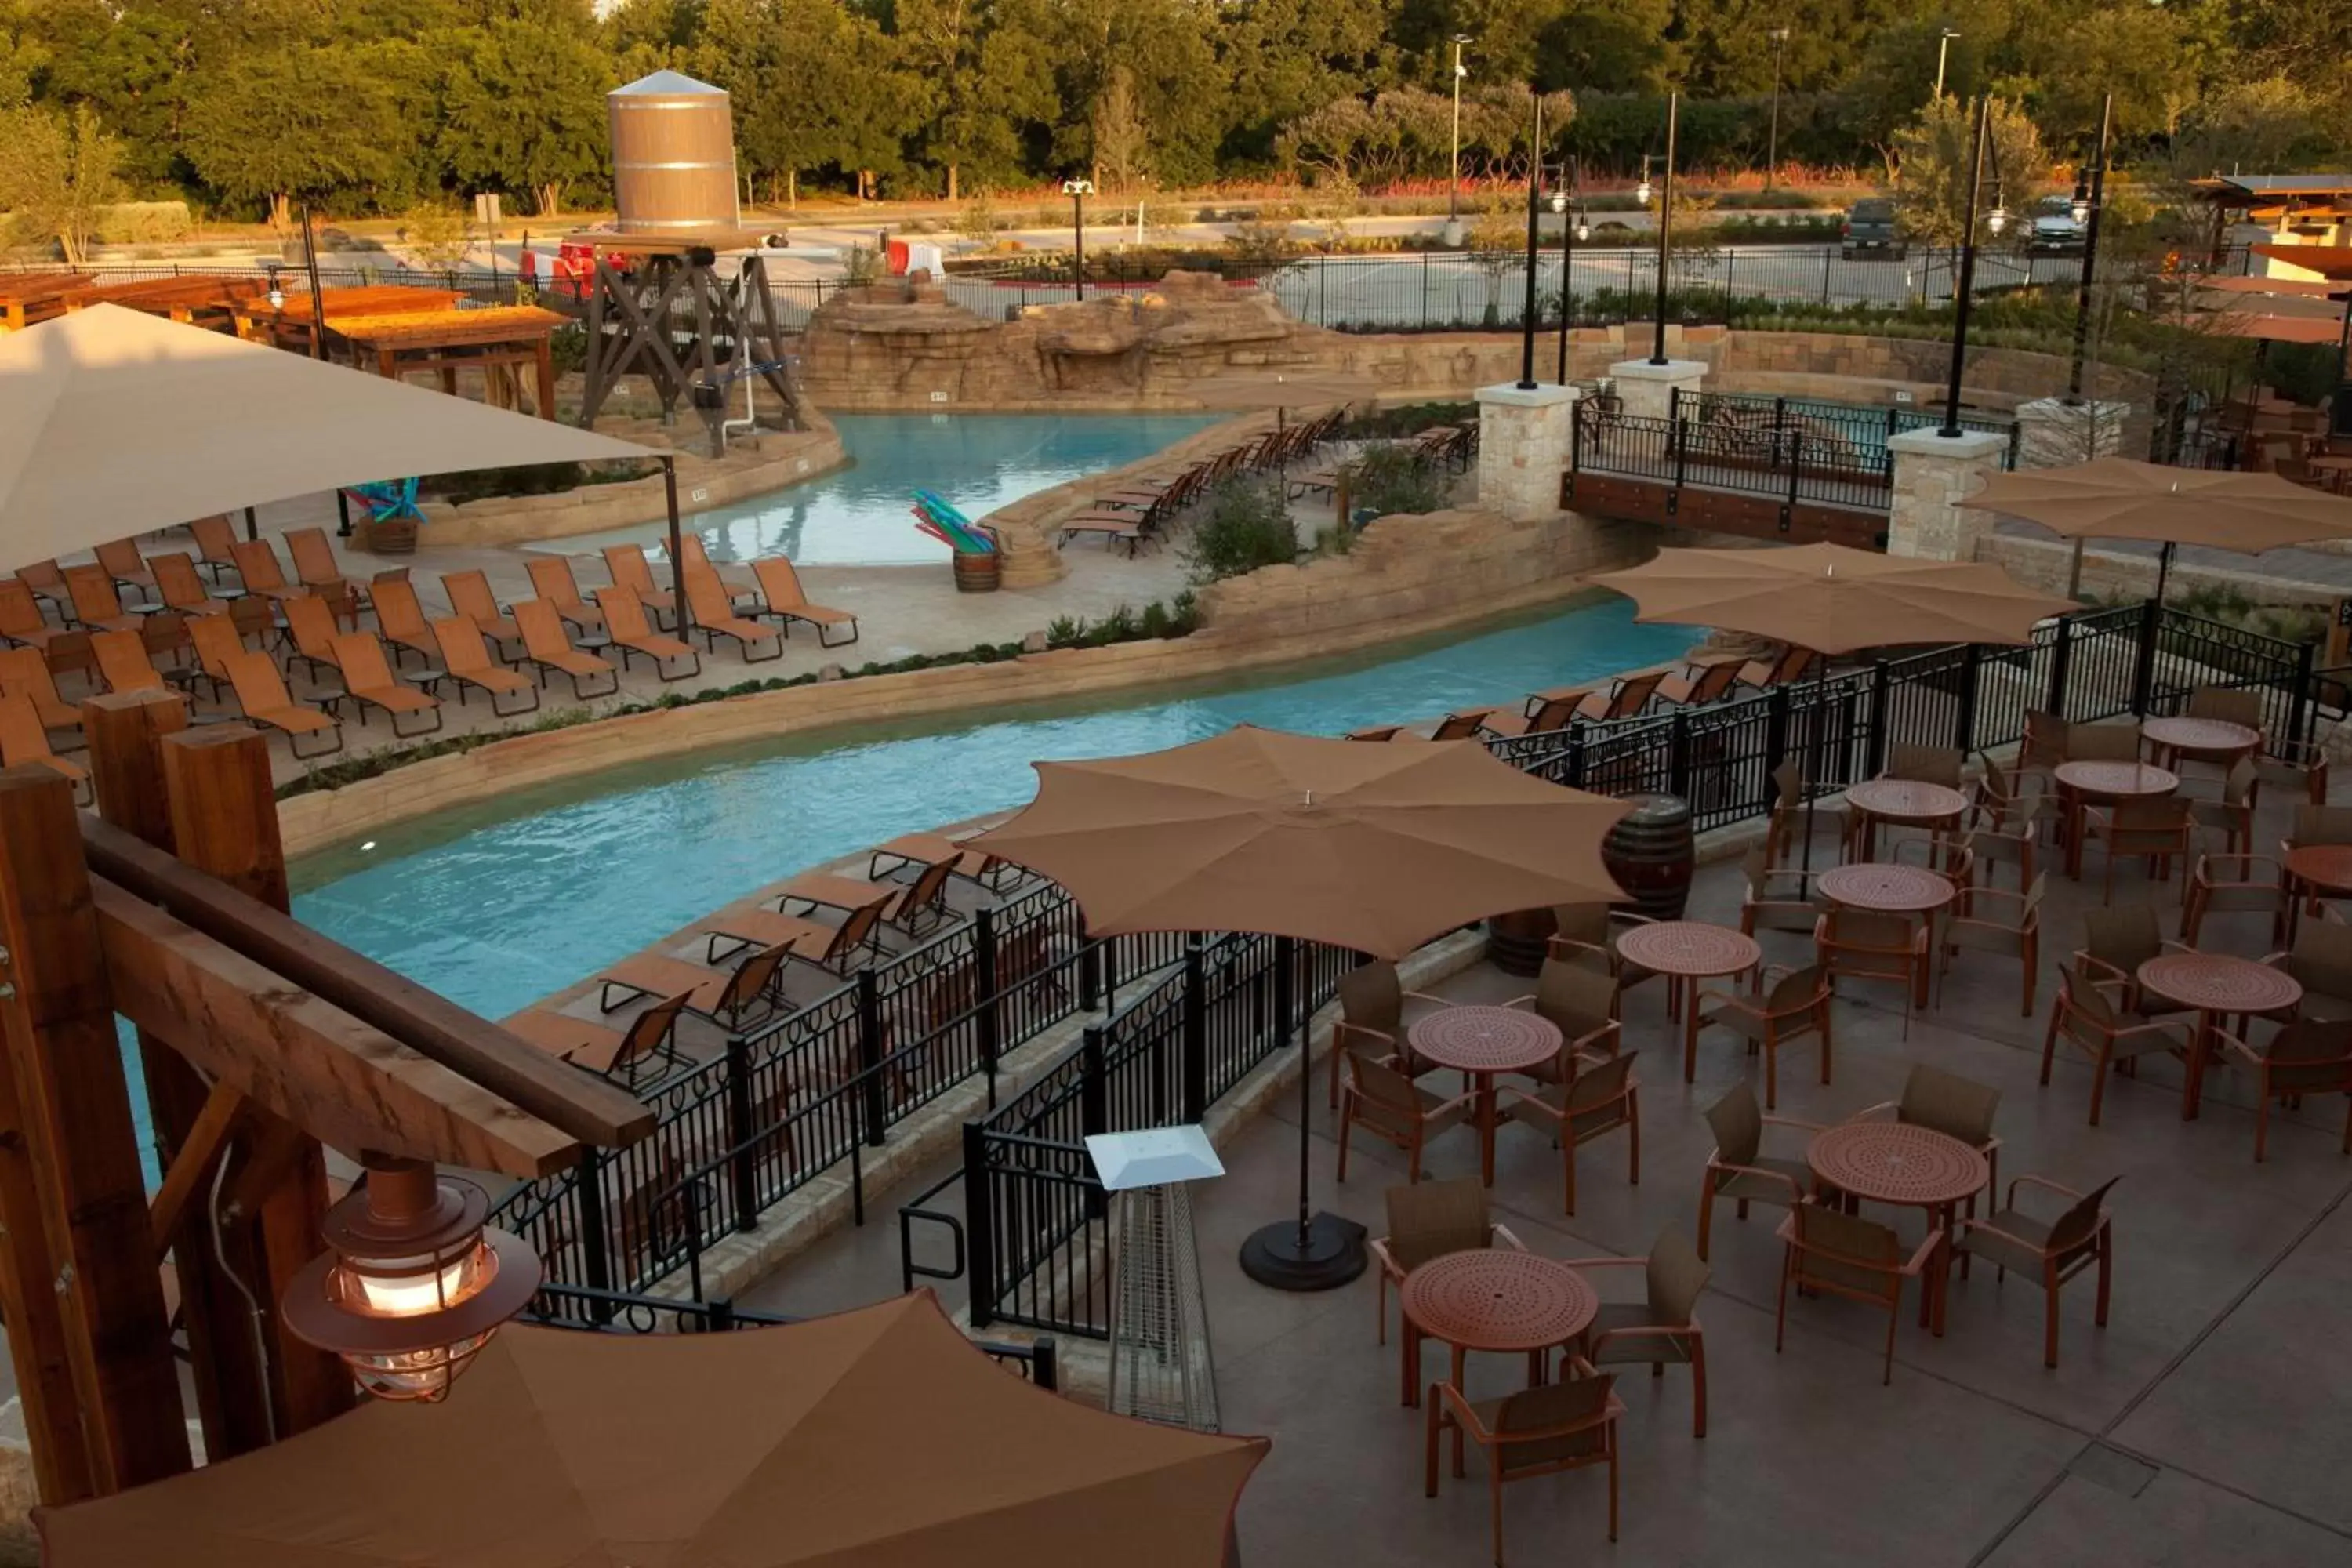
x: 1995, y: 220
x: 2090, y: 191
x: 1078, y: 191
x: 1943, y: 50
x: 1453, y: 169
x: 1666, y: 224
x: 1535, y: 199
x: 1642, y: 191
x: 1779, y: 36
x: 1572, y: 228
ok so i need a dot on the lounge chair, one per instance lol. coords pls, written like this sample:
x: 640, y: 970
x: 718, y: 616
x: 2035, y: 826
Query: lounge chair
x: 726, y: 995
x: 369, y: 681
x: 310, y: 627
x: 1462, y: 725
x: 467, y: 661
x: 216, y: 545
x: 469, y: 596
x: 593, y: 1047
x: 262, y: 694
x: 1700, y: 685
x: 631, y: 570
x: 123, y: 563
x: 21, y: 620
x: 23, y: 739
x: 911, y: 906
x: 257, y: 569
x: 626, y: 628
x: 314, y: 561
x: 780, y: 586
x: 1544, y: 714
x: 180, y: 588
x: 401, y: 620
x: 552, y: 580
x: 714, y: 616
x: 25, y: 673
x: 937, y: 848
x: 217, y: 642
x: 828, y: 948
x: 1794, y: 664
x: 742, y: 590
x: 546, y: 648
x: 123, y: 664
x: 95, y: 602
x: 47, y: 579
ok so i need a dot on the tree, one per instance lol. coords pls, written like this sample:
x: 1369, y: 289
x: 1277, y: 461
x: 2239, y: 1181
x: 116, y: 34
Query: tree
x: 1122, y: 140
x: 2271, y: 123
x: 523, y: 108
x: 1934, y: 156
x: 987, y: 67
x: 298, y: 121
x: 58, y: 177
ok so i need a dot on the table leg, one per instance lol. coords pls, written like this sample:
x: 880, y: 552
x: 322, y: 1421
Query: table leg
x: 1486, y: 1128
x: 1409, y: 1354
x: 1690, y: 1026
x: 2074, y: 835
x: 2192, y: 1085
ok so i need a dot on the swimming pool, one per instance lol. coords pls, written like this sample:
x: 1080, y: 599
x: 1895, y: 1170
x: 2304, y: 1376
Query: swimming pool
x: 500, y: 907
x: 858, y: 516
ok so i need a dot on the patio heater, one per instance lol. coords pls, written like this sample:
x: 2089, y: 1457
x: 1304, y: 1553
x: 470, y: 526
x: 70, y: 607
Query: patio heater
x: 1995, y: 220
x: 1161, y: 1366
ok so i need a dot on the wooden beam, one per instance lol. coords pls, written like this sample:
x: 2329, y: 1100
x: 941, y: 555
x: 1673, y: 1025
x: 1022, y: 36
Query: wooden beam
x: 585, y: 1107
x: 59, y: 1025
x: 301, y: 1057
x: 214, y: 1123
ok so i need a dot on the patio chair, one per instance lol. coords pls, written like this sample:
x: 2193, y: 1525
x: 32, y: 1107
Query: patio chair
x: 258, y: 570
x: 47, y: 579
x: 1426, y: 1220
x: 1581, y: 1004
x: 552, y: 580
x: 261, y: 695
x: 2103, y: 742
x: 121, y: 561
x: 2305, y: 1056
x: 547, y: 649
x: 1372, y: 999
x: 1998, y: 836
x: 1839, y: 1254
x: 2232, y: 816
x: 714, y: 616
x: 1589, y: 934
x: 469, y: 596
x: 2320, y: 961
x: 1554, y: 1428
x: 2094, y: 1023
x: 2320, y: 825
x: 1395, y: 1110
x: 651, y: 1036
x: 629, y: 569
x: 1862, y: 944
x: 2155, y: 829
x: 2050, y: 1251
x: 180, y: 588
x: 1764, y: 903
x: 626, y: 627
x: 783, y: 598
x: 812, y: 942
x: 2235, y: 884
x: 315, y: 566
x: 1595, y: 1100
x: 2229, y: 704
x: 123, y: 664
x: 1955, y: 1106
x: 21, y: 620
x: 368, y: 680
x: 728, y: 993
x: 96, y: 606
x: 1699, y: 684
x: 216, y: 545
x: 400, y: 619
x: 2009, y: 925
x: 1792, y: 820
x: 217, y: 642
x: 24, y: 673
x: 1662, y: 1329
x: 1796, y: 1008
x: 2115, y: 942
x: 742, y: 591
x: 310, y: 627
x: 1925, y: 765
x: 2297, y: 766
x: 24, y: 740
x: 466, y: 660
x: 2045, y: 741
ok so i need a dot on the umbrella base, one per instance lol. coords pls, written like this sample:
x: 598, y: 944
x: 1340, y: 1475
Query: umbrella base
x: 1333, y: 1254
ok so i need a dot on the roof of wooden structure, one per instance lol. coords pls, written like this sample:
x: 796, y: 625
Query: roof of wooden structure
x: 449, y: 329
x: 363, y: 299
x: 2333, y: 262
x: 668, y: 242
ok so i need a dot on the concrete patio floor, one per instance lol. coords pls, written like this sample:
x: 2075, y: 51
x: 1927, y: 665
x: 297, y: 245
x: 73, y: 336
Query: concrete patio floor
x: 2205, y: 1424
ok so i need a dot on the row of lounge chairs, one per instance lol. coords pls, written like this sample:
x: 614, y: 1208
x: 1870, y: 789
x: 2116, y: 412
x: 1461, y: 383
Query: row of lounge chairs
x: 1140, y: 510
x: 1627, y: 697
x: 1450, y: 447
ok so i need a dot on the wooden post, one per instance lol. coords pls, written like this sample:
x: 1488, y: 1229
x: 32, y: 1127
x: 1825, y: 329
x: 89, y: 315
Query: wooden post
x: 225, y: 821
x: 232, y: 1383
x: 75, y: 1108
x: 543, y: 364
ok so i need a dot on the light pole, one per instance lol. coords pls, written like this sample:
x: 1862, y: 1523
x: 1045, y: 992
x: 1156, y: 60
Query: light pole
x: 2090, y: 188
x: 1453, y: 169
x: 1772, y: 138
x: 1666, y: 227
x: 1078, y: 191
x: 1571, y: 229
x: 1995, y: 220
x: 1943, y: 50
x: 1535, y: 197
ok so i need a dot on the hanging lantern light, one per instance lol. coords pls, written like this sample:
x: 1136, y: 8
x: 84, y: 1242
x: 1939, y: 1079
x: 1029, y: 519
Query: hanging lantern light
x: 1583, y: 229
x: 412, y: 1286
x: 1996, y: 219
x: 2081, y: 205
x: 1642, y: 191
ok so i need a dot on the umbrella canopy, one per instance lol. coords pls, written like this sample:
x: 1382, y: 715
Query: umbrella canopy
x: 1280, y: 389
x: 1834, y: 600
x: 2117, y: 498
x: 879, y: 1437
x: 2280, y: 286
x: 2279, y: 328
x: 2330, y: 262
x: 115, y: 423
x: 1378, y: 848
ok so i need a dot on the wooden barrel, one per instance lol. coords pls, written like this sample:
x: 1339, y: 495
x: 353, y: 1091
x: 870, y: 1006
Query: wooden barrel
x: 1515, y: 942
x: 395, y: 536
x: 1650, y: 853
x: 978, y: 573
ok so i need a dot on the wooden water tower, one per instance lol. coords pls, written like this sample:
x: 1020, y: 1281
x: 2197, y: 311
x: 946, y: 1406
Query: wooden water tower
x: 673, y: 155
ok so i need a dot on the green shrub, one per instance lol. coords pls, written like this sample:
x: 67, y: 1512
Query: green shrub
x: 1391, y: 480
x: 1247, y: 525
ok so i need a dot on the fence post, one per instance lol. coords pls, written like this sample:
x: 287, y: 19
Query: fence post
x: 1964, y: 726
x: 1776, y: 734
x: 1678, y: 752
x: 742, y: 1162
x: 869, y: 1056
x: 1424, y: 291
x: 2301, y: 709
x: 990, y: 1021
x: 1674, y: 441
x: 1874, y: 743
x: 1730, y: 258
x: 978, y: 1226
x: 1089, y: 976
x: 1323, y: 292
x: 1094, y: 1106
x: 1196, y: 1036
x: 1827, y: 252
x: 1796, y: 472
x: 596, y: 1257
x: 2151, y: 622
x: 720, y: 1317
x: 2061, y: 651
x: 1575, y: 779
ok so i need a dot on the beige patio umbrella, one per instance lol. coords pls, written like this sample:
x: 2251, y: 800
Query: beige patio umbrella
x: 1377, y: 849
x: 878, y: 1439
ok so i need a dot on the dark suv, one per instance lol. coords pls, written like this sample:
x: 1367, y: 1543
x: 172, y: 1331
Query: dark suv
x: 1870, y: 231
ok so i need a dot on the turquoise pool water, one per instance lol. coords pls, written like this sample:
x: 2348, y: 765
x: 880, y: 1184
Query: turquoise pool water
x: 978, y: 461
x: 498, y: 908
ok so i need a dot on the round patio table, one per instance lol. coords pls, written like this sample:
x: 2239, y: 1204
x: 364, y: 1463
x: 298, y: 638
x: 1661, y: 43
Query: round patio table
x: 1493, y: 1298
x: 1912, y: 1166
x: 2108, y: 781
x: 1483, y: 1041
x: 2217, y: 986
x: 1907, y: 802
x: 1886, y: 889
x: 1686, y: 952
x: 2206, y: 740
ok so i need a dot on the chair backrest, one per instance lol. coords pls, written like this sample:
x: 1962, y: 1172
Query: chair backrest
x: 691, y: 551
x: 47, y: 576
x: 1575, y: 997
x: 25, y: 673
x: 20, y: 613
x: 397, y: 611
x: 1738, y: 1122
x: 2317, y: 824
x: 1430, y: 1219
x: 625, y: 615
x: 1753, y: 867
x: 257, y: 564
x: 1587, y: 924
x: 1866, y: 931
x: 928, y: 888
x: 469, y: 596
x: 541, y: 625
x: 780, y: 584
x: 853, y: 933
x: 2238, y: 788
x: 1453, y: 727
x: 1713, y: 682
x: 1948, y: 1103
x: 1676, y: 1276
x: 1797, y: 991
x: 1597, y: 1086
x: 121, y: 558
x: 94, y: 598
x: 253, y: 678
x: 2046, y: 735
x: 707, y: 596
x: 1372, y: 998
x: 1787, y: 786
x: 2076, y: 1224
x: 314, y: 558
x: 552, y: 579
x: 2151, y: 814
x: 2028, y: 908
x: 216, y: 643
x: 2103, y: 742
x: 2321, y: 959
x: 460, y: 641
x: 360, y: 657
x: 1832, y: 1237
x: 2229, y: 704
x: 122, y: 662
x: 1635, y: 693
x: 2087, y: 1013
x: 753, y: 975
x: 1385, y: 1089
x: 2125, y: 936
x: 215, y: 540
x: 1927, y: 764
x: 1553, y: 713
x: 650, y: 1028
x: 313, y: 626
x: 629, y: 568
x: 22, y: 738
x: 1575, y: 1410
x: 176, y: 581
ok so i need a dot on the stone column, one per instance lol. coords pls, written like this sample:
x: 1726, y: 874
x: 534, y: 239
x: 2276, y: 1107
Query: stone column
x: 1931, y: 473
x: 1647, y: 389
x: 2053, y: 433
x: 1523, y: 441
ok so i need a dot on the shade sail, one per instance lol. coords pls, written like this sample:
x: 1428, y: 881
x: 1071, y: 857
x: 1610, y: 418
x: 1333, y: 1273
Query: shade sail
x: 113, y: 423
x: 2117, y: 498
x: 2330, y: 262
x: 2275, y: 328
x: 1834, y: 600
x: 1376, y: 848
x: 2284, y: 286
x: 880, y: 1438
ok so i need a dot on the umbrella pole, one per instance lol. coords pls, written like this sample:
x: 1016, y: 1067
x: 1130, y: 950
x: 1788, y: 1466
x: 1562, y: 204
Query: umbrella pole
x: 1312, y: 1251
x: 680, y: 619
x: 1812, y: 765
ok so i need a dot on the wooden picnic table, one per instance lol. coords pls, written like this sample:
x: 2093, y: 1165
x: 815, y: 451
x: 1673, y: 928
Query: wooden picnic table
x: 497, y: 339
x: 289, y: 324
x: 199, y: 301
x: 26, y: 297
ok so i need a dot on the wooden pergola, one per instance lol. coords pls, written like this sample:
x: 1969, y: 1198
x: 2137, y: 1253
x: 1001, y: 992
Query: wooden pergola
x: 260, y: 1041
x: 198, y: 301
x: 499, y: 341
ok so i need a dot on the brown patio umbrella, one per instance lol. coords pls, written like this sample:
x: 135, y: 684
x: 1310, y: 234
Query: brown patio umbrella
x: 880, y: 1438
x: 1377, y: 849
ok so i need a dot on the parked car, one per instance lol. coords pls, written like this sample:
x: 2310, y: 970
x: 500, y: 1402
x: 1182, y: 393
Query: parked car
x: 1869, y: 230
x: 2055, y: 232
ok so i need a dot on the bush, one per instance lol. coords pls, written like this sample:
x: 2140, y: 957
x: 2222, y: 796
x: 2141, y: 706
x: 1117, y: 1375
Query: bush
x: 1247, y: 526
x: 1391, y: 479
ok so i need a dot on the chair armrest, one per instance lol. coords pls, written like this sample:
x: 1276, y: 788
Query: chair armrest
x: 1733, y: 1000
x: 1425, y: 996
x: 1970, y: 1226
x: 2236, y: 1047
x: 1794, y: 1121
x: 1650, y: 1330
x: 2273, y: 959
x: 2042, y: 1181
x: 1527, y: 1001
x: 1612, y: 1031
x: 1606, y: 1262
x: 1868, y: 1111
x: 1558, y: 947
x: 1795, y: 1188
x: 1342, y: 1029
x: 1504, y: 1234
x: 1933, y: 1239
